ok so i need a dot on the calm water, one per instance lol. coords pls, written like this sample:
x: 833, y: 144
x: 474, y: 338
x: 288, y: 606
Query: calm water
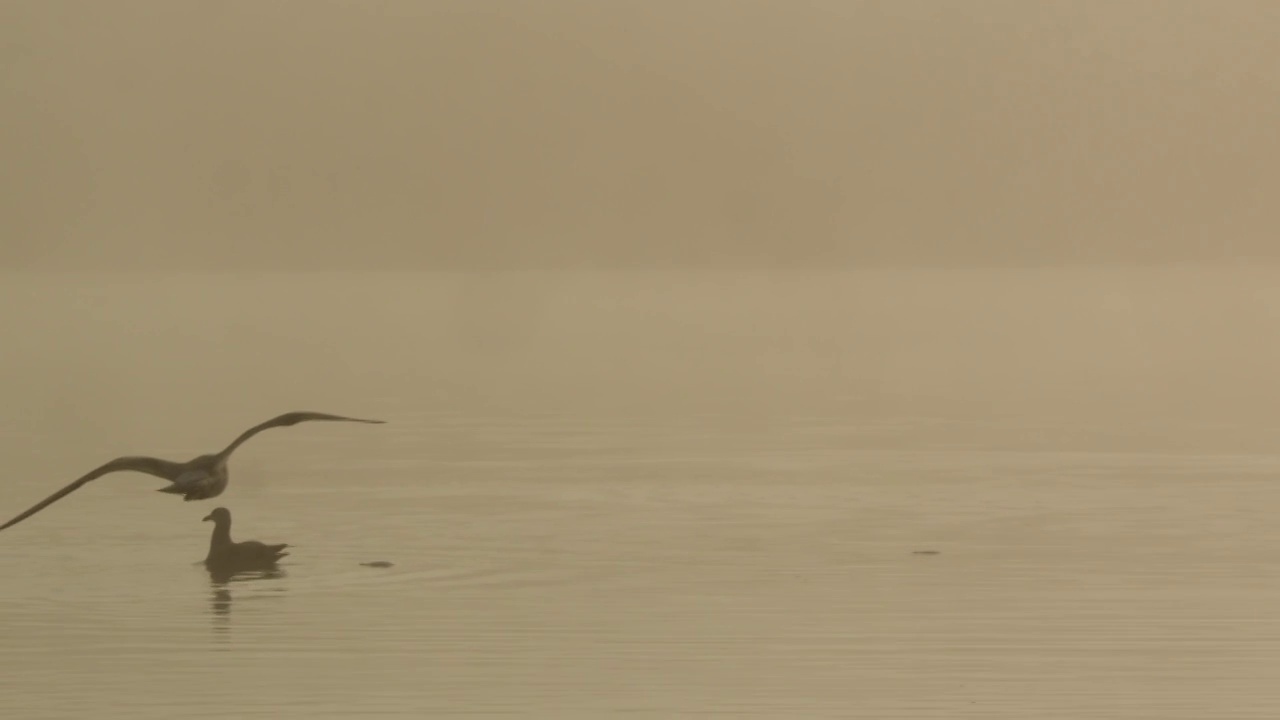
x: 718, y: 508
x: 575, y: 567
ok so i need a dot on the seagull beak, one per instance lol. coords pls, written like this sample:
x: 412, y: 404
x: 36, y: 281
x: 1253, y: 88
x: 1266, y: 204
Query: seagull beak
x: 207, y: 518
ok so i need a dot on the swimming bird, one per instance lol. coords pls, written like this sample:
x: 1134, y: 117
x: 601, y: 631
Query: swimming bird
x: 200, y: 478
x: 226, y: 556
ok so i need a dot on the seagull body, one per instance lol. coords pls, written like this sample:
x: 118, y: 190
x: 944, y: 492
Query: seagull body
x: 200, y: 478
x: 226, y: 556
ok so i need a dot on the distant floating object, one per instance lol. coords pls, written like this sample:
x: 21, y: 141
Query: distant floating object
x: 200, y: 478
x: 378, y: 564
x: 924, y: 552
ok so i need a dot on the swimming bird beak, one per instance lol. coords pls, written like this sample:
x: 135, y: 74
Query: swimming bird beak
x: 207, y: 518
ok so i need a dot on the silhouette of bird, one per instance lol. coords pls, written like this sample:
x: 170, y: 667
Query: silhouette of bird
x: 200, y: 478
x: 226, y: 556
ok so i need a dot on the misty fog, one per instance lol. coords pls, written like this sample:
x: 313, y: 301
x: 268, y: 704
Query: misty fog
x: 572, y: 133
x: 975, y: 208
x: 782, y: 358
x: 1161, y: 352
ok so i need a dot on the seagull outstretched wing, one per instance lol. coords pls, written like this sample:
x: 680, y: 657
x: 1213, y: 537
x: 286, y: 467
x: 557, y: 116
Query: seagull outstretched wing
x: 285, y: 420
x: 134, y: 463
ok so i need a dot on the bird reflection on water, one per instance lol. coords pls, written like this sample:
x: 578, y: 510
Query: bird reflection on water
x: 222, y: 581
x: 219, y: 578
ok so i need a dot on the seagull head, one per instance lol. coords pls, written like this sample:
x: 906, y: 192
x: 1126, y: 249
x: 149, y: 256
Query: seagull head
x: 218, y: 515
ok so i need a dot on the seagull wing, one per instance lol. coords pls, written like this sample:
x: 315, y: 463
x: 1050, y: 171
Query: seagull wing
x: 151, y: 466
x: 287, y: 419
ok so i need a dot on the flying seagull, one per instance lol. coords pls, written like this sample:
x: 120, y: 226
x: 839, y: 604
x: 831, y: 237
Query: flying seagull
x: 226, y: 556
x: 196, y: 479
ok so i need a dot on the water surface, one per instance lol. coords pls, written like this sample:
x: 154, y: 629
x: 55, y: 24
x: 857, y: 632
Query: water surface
x: 647, y: 496
x: 580, y: 567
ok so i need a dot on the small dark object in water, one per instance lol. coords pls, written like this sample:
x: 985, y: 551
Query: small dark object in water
x: 377, y: 564
x: 924, y: 552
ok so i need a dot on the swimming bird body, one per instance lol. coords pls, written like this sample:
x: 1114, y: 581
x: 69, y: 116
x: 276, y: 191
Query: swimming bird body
x: 227, y: 556
x: 200, y: 478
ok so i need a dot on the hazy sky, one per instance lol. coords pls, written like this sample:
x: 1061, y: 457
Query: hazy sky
x: 439, y: 133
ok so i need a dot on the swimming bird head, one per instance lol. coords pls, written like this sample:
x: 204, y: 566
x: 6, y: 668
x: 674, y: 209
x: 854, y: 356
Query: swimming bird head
x: 219, y: 515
